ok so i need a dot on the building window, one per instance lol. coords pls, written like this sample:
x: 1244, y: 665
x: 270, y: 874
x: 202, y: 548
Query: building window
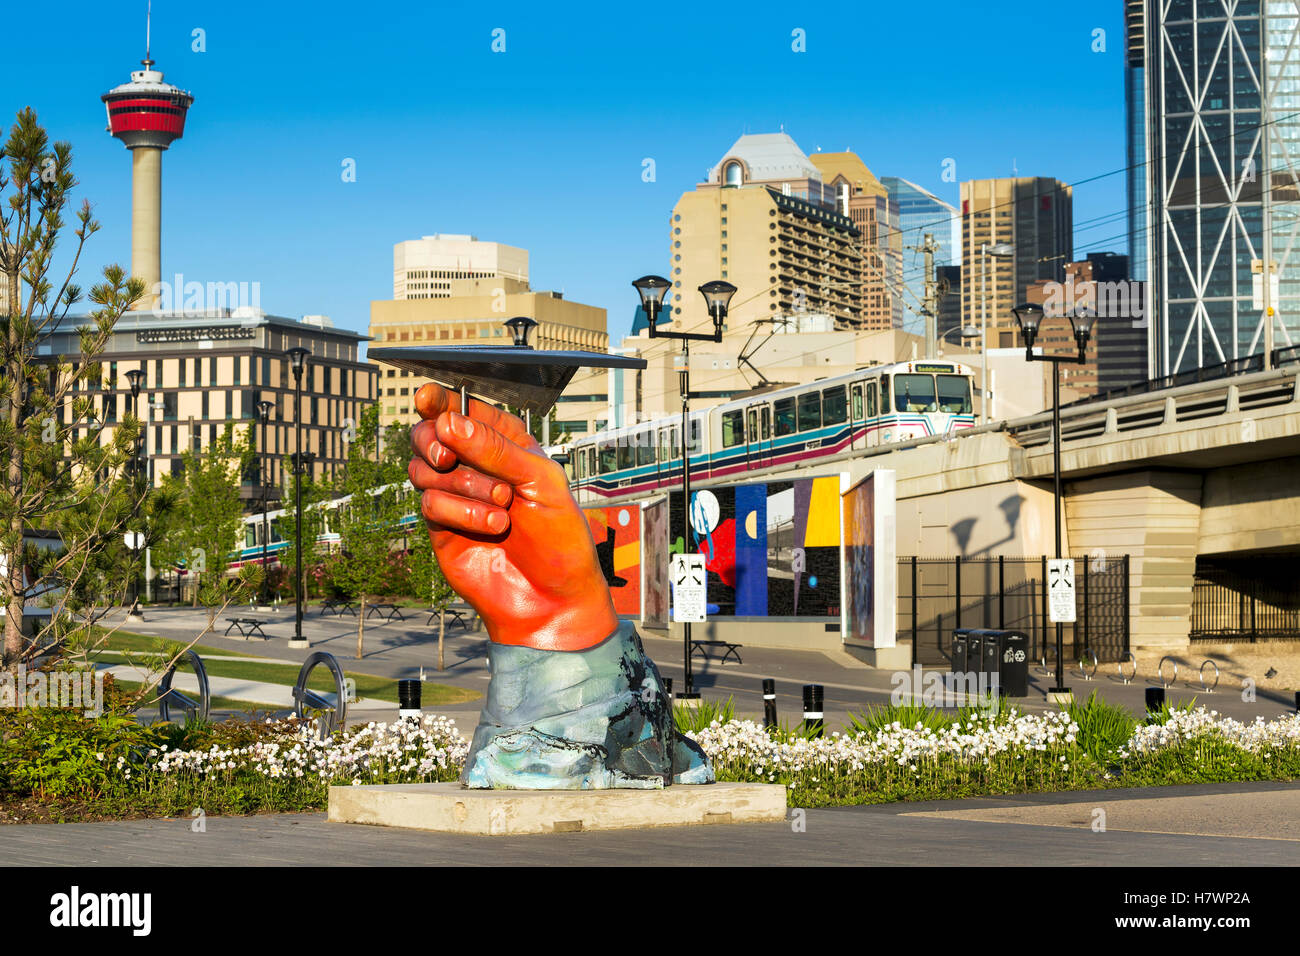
x: 732, y: 174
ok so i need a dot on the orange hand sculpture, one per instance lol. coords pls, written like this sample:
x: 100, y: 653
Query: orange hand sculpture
x: 507, y: 533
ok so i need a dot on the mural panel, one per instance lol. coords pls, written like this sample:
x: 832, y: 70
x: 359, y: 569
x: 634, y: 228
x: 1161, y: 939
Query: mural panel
x: 772, y: 549
x: 616, y: 532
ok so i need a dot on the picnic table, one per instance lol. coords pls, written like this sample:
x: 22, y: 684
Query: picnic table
x: 733, y: 650
x: 339, y: 606
x: 247, y: 626
x: 386, y: 611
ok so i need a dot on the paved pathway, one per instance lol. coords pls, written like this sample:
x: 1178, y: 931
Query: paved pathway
x: 1208, y: 825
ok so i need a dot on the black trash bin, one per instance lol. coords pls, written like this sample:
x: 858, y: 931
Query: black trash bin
x: 990, y: 657
x: 960, y: 650
x: 1013, y: 672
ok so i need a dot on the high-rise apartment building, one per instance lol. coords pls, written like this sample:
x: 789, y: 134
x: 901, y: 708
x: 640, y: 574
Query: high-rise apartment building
x: 921, y: 213
x: 1032, y: 214
x: 441, y: 266
x: 1213, y: 120
x: 867, y: 202
x: 765, y: 221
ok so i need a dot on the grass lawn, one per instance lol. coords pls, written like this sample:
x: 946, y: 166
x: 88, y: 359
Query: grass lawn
x: 145, y: 644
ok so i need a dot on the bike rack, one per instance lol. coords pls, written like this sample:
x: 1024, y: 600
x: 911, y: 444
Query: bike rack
x: 1083, y: 669
x: 304, y: 698
x: 1209, y: 688
x: 1119, y: 667
x: 1160, y: 671
x: 168, y: 698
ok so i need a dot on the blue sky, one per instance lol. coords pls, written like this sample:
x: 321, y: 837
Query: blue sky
x: 542, y: 146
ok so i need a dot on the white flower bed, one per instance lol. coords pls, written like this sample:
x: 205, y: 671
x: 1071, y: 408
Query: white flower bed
x: 1188, y: 726
x: 405, y: 748
x: 408, y: 750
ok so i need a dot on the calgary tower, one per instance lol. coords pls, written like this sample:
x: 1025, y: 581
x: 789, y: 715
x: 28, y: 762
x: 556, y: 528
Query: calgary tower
x: 146, y: 115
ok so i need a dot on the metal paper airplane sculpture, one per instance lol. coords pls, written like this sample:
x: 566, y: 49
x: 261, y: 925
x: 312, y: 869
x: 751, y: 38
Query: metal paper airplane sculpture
x: 517, y: 375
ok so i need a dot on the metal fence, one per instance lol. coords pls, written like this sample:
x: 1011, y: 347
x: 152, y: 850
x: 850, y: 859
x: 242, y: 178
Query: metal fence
x: 1246, y: 599
x: 937, y: 595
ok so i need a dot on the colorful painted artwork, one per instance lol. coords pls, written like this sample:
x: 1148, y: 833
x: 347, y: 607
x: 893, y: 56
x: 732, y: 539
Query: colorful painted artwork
x: 616, y: 532
x: 772, y: 549
x: 654, y: 563
x: 869, y: 529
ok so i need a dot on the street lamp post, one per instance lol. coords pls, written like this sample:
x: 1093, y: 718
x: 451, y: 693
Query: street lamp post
x: 1028, y: 316
x: 135, y: 378
x: 520, y: 326
x: 298, y: 360
x: 999, y: 250
x: 717, y: 295
x: 264, y: 412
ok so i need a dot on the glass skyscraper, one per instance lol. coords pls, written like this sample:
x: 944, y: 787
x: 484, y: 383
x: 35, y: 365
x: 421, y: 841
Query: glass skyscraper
x: 1213, y: 87
x: 921, y: 212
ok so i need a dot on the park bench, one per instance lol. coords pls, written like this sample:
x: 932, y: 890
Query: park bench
x: 461, y: 615
x: 247, y: 627
x: 386, y: 611
x: 338, y: 606
x: 733, y: 650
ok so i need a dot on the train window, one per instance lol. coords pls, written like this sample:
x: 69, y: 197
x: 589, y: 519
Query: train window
x: 857, y: 401
x: 884, y: 394
x: 785, y: 416
x: 626, y: 453
x: 276, y: 537
x: 752, y: 425
x: 591, y: 461
x: 834, y: 407
x: 871, y: 399
x: 579, y: 463
x: 664, y: 453
x: 733, y: 432
x: 608, y: 457
x: 914, y: 393
x: 954, y: 395
x: 676, y: 442
x: 250, y: 536
x: 695, y: 436
x: 766, y: 418
x: 810, y: 411
x: 645, y: 448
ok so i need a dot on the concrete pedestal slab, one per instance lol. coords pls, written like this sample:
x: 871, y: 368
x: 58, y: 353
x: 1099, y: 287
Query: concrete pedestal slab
x: 449, y: 808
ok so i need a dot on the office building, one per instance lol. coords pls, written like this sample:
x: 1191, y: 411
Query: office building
x: 922, y: 213
x: 442, y: 266
x: 1213, y: 119
x: 1033, y: 215
x: 202, y: 370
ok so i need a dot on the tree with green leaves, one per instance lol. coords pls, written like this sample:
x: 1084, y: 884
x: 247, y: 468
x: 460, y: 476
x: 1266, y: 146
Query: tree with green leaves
x: 209, y: 512
x: 62, y: 469
x: 368, y: 519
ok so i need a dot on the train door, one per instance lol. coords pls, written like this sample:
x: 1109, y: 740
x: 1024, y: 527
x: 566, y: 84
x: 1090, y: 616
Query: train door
x: 857, y: 413
x: 873, y: 413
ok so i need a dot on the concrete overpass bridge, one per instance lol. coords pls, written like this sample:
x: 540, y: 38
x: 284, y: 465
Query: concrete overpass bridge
x: 1189, y: 481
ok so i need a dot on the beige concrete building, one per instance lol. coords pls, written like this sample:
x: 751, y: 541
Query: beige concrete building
x: 864, y: 199
x: 765, y: 221
x: 443, y: 265
x: 203, y: 370
x: 477, y: 320
x: 1035, y: 215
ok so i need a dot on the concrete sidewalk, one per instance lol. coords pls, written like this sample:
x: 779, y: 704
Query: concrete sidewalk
x: 1206, y: 825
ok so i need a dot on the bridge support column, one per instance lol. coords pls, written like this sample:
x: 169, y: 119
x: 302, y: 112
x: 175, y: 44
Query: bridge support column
x: 1154, y: 516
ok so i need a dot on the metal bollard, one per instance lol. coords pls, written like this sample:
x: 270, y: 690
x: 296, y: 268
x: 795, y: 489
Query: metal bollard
x: 1155, y: 699
x: 812, y: 708
x: 408, y: 698
x: 769, y: 703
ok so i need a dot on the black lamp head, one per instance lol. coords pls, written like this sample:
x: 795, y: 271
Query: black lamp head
x: 1028, y: 315
x: 298, y: 358
x: 1082, y: 319
x: 717, y: 295
x: 519, y: 328
x: 652, y: 290
x: 135, y: 377
x: 264, y: 410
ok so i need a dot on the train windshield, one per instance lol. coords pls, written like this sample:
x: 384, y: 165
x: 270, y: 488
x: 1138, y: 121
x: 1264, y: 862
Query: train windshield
x: 954, y: 395
x: 914, y: 393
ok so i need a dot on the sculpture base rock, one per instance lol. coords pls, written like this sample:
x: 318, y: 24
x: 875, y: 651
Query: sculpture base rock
x: 451, y: 808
